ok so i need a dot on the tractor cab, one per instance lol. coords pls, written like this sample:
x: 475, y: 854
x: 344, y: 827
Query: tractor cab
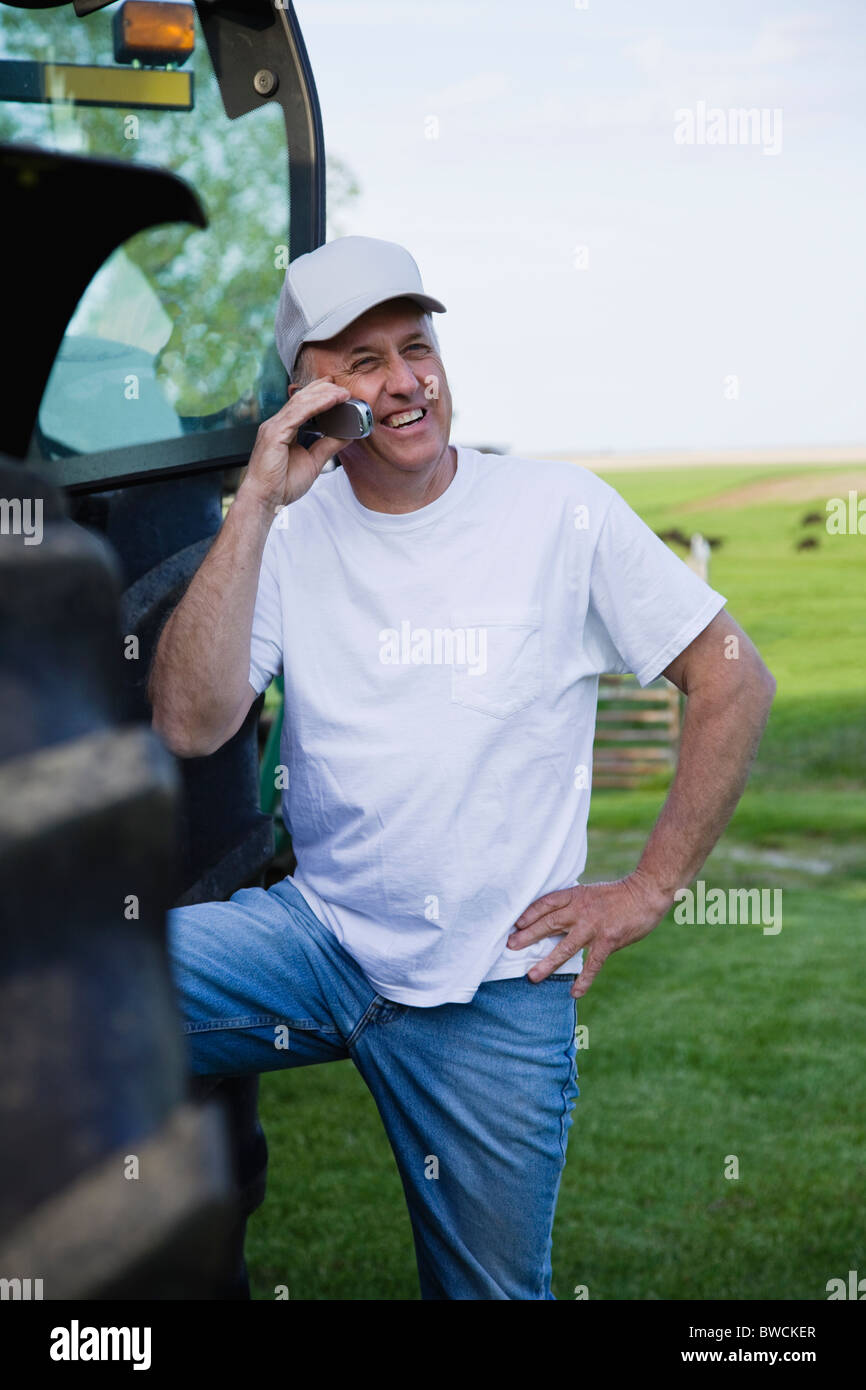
x: 161, y: 164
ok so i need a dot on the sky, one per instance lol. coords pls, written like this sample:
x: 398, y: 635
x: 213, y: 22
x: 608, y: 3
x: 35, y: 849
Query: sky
x: 615, y: 276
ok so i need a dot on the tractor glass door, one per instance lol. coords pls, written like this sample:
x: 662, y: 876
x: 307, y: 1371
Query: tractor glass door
x: 174, y: 336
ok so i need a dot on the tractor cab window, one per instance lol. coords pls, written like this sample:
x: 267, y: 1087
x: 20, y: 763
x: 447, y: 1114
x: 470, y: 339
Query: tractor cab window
x: 174, y: 335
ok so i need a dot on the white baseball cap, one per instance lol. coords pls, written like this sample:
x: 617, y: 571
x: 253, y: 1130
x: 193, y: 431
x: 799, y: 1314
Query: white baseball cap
x: 327, y: 289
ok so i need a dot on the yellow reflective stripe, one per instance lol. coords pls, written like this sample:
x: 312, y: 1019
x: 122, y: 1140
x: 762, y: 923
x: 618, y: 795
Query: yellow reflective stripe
x: 116, y: 86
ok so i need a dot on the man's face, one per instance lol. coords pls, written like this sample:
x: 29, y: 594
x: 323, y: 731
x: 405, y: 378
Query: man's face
x: 387, y: 358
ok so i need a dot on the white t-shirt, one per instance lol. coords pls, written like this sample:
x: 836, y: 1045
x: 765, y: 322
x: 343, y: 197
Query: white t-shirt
x: 441, y: 673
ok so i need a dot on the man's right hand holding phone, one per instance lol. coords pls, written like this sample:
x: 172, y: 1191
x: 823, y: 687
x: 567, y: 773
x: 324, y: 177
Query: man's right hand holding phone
x: 199, y: 684
x: 280, y: 470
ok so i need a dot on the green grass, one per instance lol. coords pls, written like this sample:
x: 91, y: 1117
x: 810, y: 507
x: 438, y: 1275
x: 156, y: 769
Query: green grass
x: 805, y: 610
x: 704, y: 1042
x: 707, y: 1043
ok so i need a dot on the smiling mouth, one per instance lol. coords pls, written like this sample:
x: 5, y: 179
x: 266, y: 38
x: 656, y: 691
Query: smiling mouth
x: 402, y: 419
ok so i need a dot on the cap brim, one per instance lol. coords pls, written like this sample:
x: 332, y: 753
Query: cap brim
x: 347, y: 313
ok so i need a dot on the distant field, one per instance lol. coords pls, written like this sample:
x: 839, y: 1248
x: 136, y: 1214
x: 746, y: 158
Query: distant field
x: 813, y: 456
x: 704, y: 1042
x: 805, y: 609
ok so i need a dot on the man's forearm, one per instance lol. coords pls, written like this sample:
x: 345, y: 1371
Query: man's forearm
x: 721, y: 733
x: 726, y: 710
x: 199, y: 685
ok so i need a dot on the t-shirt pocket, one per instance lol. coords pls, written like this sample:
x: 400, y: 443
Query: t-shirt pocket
x: 502, y: 672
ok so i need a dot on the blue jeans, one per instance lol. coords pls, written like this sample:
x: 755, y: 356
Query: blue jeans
x: 476, y: 1098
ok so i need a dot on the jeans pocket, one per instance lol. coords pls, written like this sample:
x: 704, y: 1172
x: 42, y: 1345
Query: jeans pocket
x: 502, y: 669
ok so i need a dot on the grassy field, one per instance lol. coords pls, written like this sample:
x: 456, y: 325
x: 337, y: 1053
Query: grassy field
x: 704, y: 1042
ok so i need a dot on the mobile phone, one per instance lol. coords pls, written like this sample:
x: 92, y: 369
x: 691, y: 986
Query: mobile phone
x: 349, y: 420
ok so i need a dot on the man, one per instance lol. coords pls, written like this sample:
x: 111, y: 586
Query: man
x: 440, y: 617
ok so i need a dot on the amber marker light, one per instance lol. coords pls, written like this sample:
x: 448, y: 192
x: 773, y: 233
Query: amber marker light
x: 153, y: 32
